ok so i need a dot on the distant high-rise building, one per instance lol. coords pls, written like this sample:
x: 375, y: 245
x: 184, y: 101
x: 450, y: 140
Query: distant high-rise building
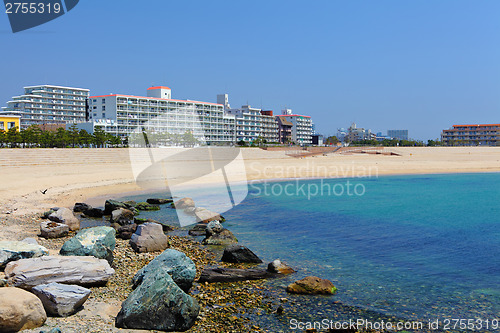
x: 224, y: 100
x: 398, y: 134
x: 48, y: 104
x: 355, y: 133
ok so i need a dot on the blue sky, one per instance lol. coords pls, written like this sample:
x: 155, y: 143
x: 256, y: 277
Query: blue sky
x: 416, y: 65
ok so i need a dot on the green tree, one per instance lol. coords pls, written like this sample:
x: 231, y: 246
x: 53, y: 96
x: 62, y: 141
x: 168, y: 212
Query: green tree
x: 84, y: 138
x: 61, y: 137
x: 13, y: 137
x: 99, y: 137
x: 332, y: 140
x: 3, y: 138
x: 73, y: 135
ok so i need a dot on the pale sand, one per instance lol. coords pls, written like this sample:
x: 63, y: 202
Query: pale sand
x: 75, y: 175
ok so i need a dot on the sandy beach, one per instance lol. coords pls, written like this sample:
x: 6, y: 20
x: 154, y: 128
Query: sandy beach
x: 33, y: 180
x: 72, y: 175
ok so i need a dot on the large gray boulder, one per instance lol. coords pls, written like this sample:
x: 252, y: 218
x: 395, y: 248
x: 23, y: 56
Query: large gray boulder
x: 149, y: 237
x: 51, y: 229
x: 13, y: 250
x: 65, y: 216
x: 20, y: 310
x: 98, y: 242
x: 61, y: 299
x: 180, y: 267
x: 83, y: 271
x: 122, y: 216
x: 235, y: 253
x: 216, y: 234
x: 158, y: 304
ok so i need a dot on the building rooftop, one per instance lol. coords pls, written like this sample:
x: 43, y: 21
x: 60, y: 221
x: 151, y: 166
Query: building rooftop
x: 156, y: 98
x: 159, y: 87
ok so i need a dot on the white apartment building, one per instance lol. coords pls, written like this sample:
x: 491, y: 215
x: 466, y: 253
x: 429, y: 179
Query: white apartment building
x: 355, y: 133
x: 252, y: 123
x: 302, y: 129
x: 158, y: 113
x: 48, y: 104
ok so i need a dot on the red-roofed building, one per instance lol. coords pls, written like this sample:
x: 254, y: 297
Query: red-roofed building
x: 472, y: 135
x: 157, y: 112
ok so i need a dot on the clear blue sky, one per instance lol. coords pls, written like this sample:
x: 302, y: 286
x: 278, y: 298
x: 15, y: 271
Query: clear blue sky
x: 416, y: 65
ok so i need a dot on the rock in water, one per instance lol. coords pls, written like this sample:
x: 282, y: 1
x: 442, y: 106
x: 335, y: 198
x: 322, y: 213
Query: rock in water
x: 221, y: 274
x: 155, y: 201
x: 180, y: 267
x: 65, y: 216
x: 20, y: 310
x: 278, y: 267
x: 239, y: 254
x: 184, y: 203
x: 122, y: 216
x: 217, y: 235
x: 94, y: 212
x: 146, y: 206
x: 149, y: 237
x: 205, y: 215
x: 12, y: 251
x: 200, y: 229
x: 158, y: 304
x: 61, y: 299
x: 98, y: 242
x: 112, y: 205
x: 80, y: 207
x: 50, y: 229
x: 83, y: 271
x: 312, y: 285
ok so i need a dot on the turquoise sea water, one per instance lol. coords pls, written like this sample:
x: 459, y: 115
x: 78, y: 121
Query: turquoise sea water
x: 415, y: 247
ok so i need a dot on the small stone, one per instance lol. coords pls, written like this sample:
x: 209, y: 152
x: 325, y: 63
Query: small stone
x: 50, y: 229
x: 312, y: 285
x: 65, y: 216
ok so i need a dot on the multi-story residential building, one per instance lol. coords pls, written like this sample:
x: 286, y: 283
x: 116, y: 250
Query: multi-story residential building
x: 398, y: 134
x: 472, y: 135
x: 253, y: 123
x: 48, y: 104
x: 301, y: 131
x: 284, y: 130
x: 355, y: 133
x: 157, y: 112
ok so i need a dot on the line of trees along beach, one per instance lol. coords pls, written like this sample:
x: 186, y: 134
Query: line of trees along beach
x: 34, y: 137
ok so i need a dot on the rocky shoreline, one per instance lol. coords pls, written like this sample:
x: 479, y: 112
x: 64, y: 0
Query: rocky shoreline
x: 224, y: 306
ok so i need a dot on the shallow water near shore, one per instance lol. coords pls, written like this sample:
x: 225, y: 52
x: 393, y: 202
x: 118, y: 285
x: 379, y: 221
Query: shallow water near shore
x: 420, y: 247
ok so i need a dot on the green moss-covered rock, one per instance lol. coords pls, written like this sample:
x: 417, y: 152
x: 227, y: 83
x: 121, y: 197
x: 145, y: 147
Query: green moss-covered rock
x: 158, y: 304
x: 180, y: 267
x: 146, y: 206
x: 98, y: 242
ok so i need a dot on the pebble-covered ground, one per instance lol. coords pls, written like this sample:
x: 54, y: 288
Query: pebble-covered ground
x: 225, y: 307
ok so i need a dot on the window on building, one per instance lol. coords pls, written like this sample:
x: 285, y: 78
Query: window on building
x: 11, y: 124
x: 103, y: 100
x: 103, y: 107
x: 2, y: 126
